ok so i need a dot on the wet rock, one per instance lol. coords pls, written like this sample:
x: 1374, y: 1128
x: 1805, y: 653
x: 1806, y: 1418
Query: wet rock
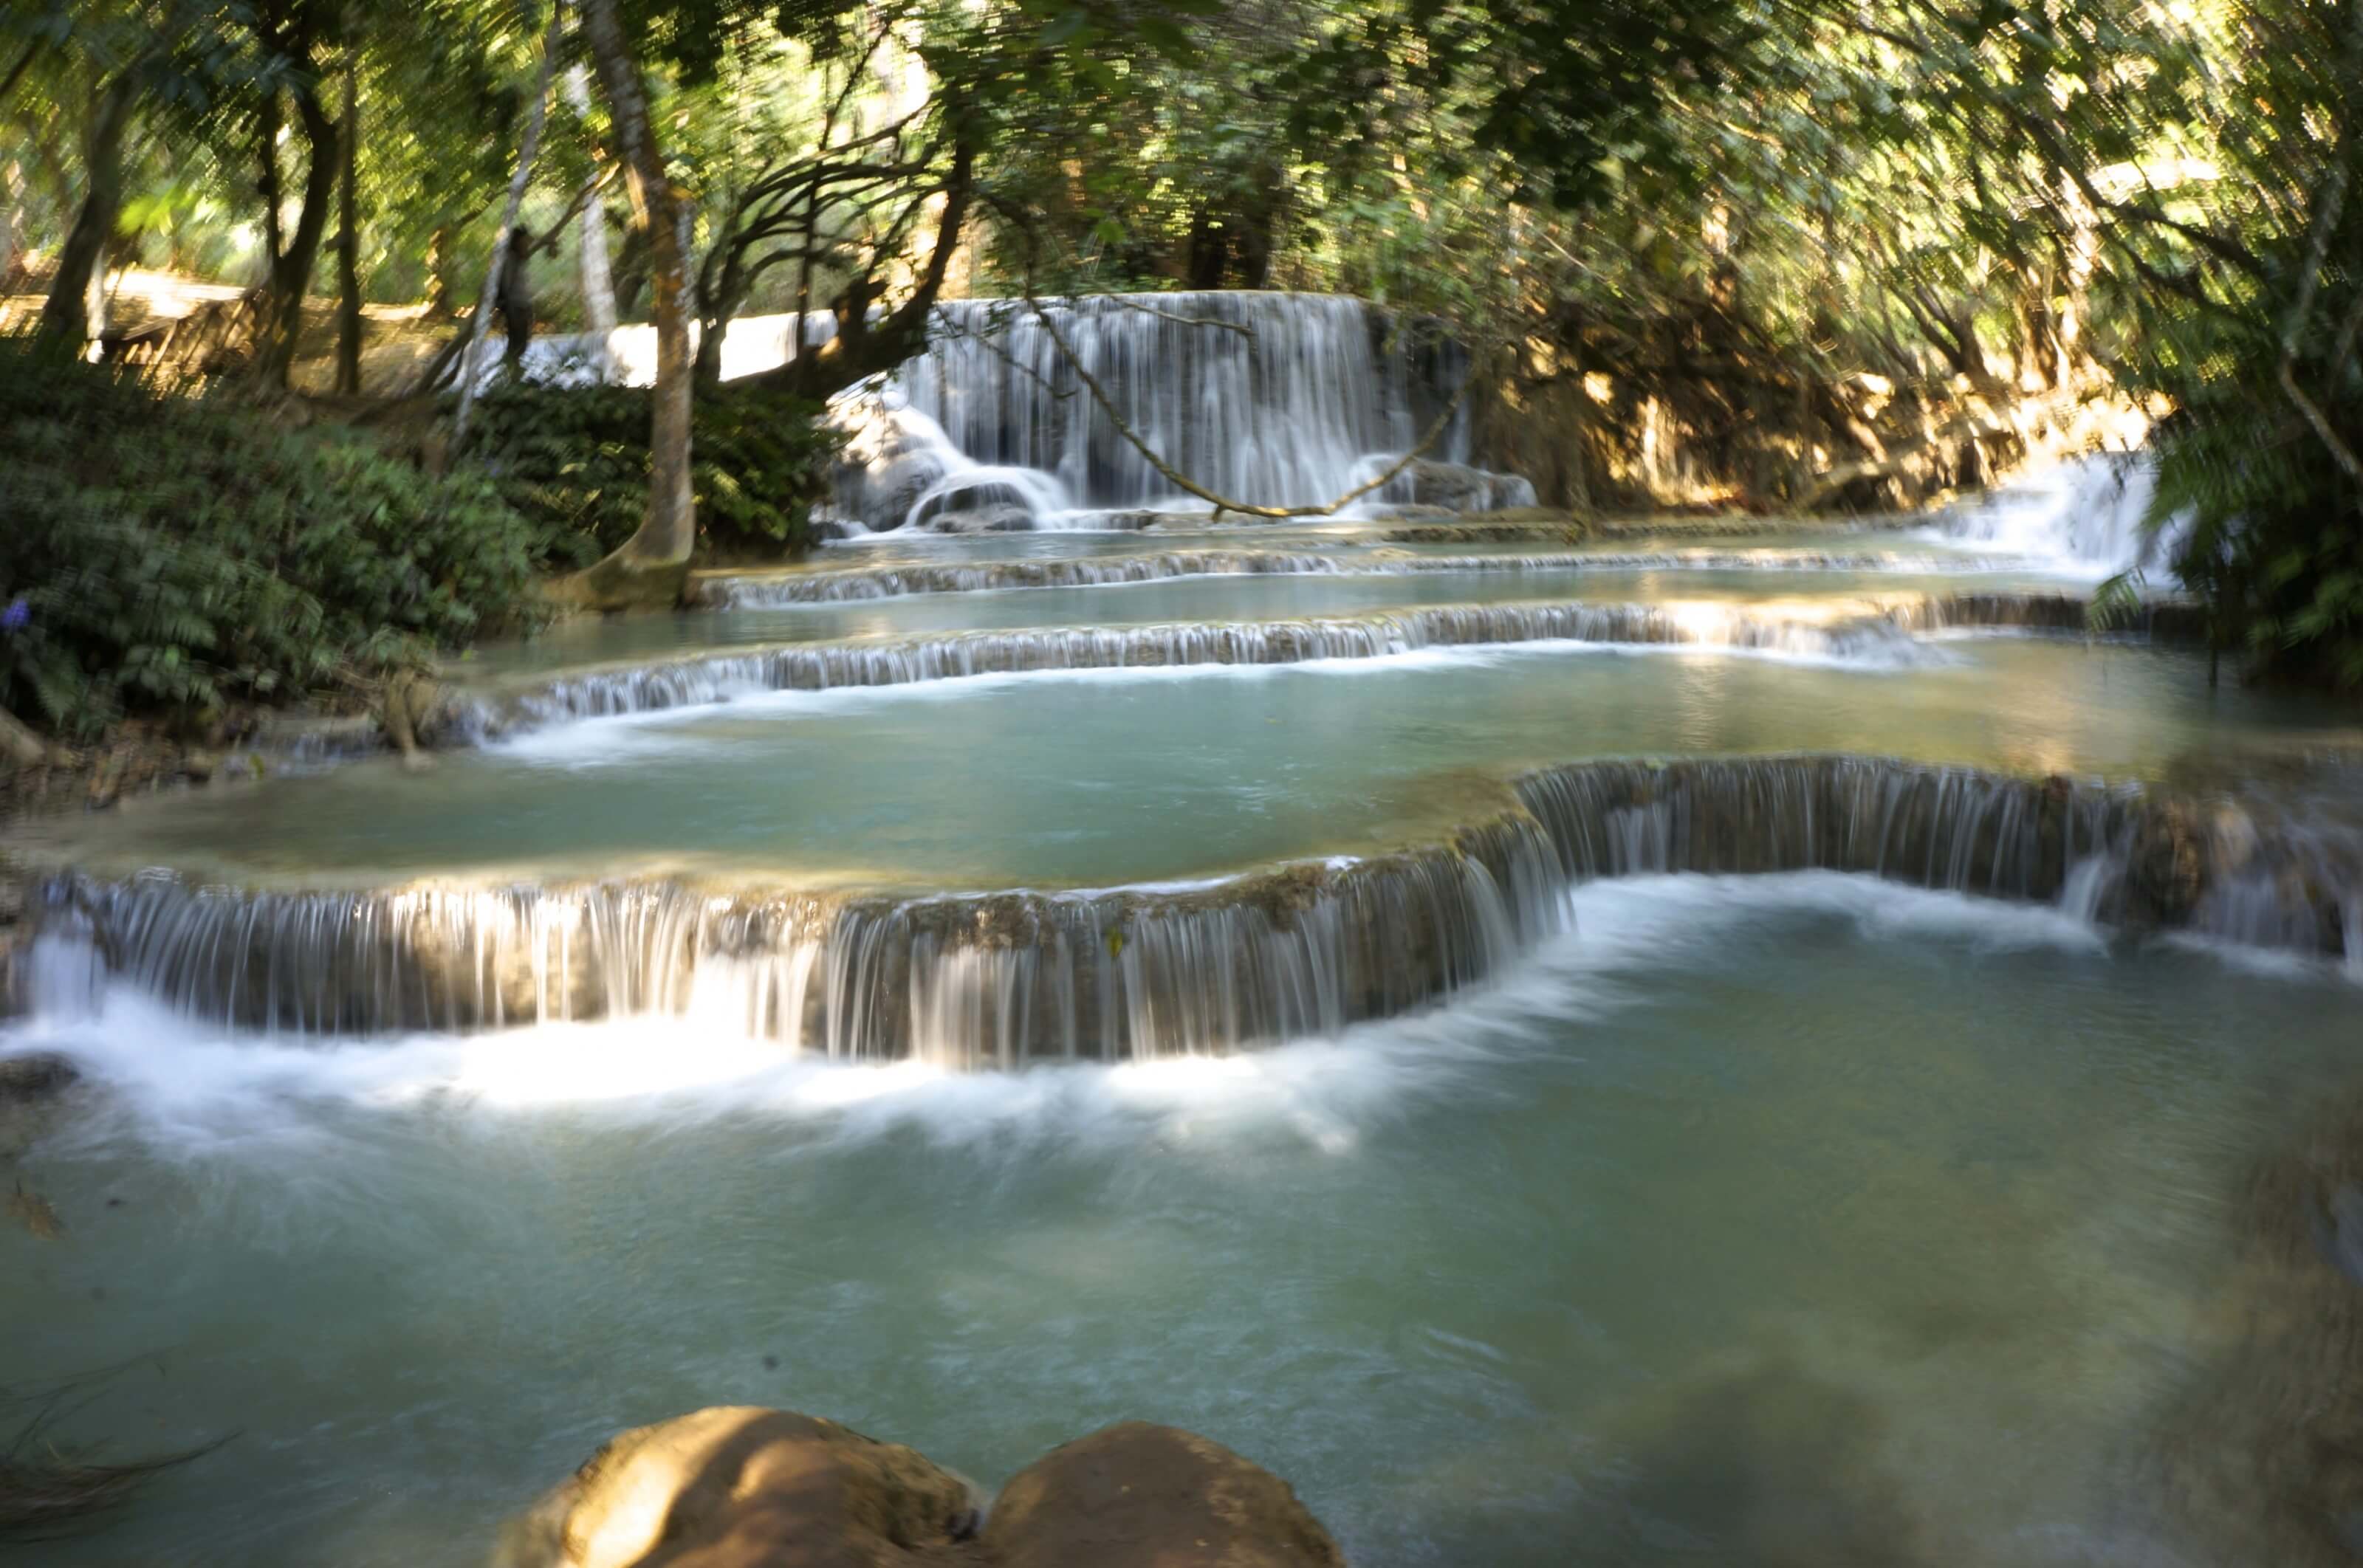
x: 2166, y: 866
x: 1767, y: 1463
x: 743, y: 1487
x: 34, y: 1076
x: 737, y: 1486
x: 1455, y: 488
x: 1001, y: 518
x: 1138, y: 1496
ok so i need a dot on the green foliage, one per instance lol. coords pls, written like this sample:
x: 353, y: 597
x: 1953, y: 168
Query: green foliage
x: 575, y: 460
x: 2275, y: 542
x: 165, y: 557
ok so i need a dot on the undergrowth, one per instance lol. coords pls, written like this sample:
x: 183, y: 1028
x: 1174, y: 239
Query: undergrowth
x: 170, y: 556
x: 575, y: 460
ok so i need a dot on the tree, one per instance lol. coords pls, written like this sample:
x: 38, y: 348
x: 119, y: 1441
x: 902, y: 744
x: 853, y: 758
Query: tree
x: 653, y: 563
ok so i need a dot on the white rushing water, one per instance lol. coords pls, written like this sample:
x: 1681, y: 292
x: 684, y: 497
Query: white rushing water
x: 2084, y: 516
x: 1268, y: 398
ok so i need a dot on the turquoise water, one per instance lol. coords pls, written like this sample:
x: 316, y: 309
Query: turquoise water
x: 1801, y: 1219
x: 1102, y: 777
x: 1798, y: 1220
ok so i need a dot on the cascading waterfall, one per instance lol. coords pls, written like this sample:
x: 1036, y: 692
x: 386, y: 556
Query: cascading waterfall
x: 838, y: 585
x: 2084, y: 514
x: 1270, y: 399
x: 1301, y: 950
x: 963, y: 981
x: 1875, y: 634
x: 817, y: 667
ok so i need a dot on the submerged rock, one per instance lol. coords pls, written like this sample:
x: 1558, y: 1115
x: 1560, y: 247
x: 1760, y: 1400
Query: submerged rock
x: 1139, y: 1495
x: 743, y: 1487
x: 738, y: 1486
x: 35, y: 1075
x: 2262, y: 1455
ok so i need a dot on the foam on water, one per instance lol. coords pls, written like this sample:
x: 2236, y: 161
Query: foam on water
x: 2083, y: 517
x: 198, y: 1091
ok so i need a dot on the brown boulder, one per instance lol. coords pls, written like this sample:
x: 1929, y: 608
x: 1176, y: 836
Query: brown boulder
x: 742, y: 1487
x: 1138, y: 1496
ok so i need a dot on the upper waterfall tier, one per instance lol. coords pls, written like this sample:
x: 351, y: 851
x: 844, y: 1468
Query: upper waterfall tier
x: 1269, y: 399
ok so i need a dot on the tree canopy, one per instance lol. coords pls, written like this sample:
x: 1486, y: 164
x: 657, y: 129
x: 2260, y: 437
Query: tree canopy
x: 1778, y: 252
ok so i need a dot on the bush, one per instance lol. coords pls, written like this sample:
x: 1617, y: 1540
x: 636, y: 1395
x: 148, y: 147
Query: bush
x: 576, y: 461
x: 165, y: 556
x: 2275, y: 541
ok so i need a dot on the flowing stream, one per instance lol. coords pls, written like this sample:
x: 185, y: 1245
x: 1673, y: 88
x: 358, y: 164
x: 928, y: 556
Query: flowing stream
x: 1655, y: 1050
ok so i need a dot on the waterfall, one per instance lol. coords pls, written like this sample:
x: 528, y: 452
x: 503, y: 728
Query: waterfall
x: 998, y: 979
x: 1875, y: 636
x: 2084, y: 516
x: 1871, y: 639
x: 838, y: 585
x: 966, y: 981
x: 1269, y: 399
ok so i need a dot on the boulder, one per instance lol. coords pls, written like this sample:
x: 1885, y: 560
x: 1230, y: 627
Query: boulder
x: 998, y: 517
x: 737, y: 1486
x: 1138, y: 1496
x: 35, y: 1075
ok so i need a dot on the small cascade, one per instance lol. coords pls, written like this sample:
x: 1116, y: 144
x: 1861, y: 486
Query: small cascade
x: 2085, y: 515
x: 1306, y: 949
x: 2160, y: 620
x: 834, y: 587
x: 820, y: 666
x: 1876, y: 636
x: 1275, y: 399
x: 838, y: 585
x: 1954, y: 829
x: 982, y: 981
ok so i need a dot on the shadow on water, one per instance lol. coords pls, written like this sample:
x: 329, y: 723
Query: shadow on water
x: 2262, y: 1453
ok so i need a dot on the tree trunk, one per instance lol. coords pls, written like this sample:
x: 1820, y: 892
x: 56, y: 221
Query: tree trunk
x: 66, y: 316
x: 653, y: 564
x: 720, y: 300
x: 266, y: 181
x: 348, y: 235
x: 598, y: 280
x: 528, y: 148
x: 291, y: 272
x: 517, y: 298
x: 12, y: 225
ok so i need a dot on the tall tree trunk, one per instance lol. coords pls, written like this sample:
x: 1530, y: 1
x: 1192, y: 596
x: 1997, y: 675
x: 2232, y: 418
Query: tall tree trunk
x: 719, y: 298
x: 528, y: 148
x: 12, y: 225
x: 66, y: 316
x: 598, y: 274
x: 348, y: 234
x: 267, y: 184
x: 291, y: 272
x: 653, y: 564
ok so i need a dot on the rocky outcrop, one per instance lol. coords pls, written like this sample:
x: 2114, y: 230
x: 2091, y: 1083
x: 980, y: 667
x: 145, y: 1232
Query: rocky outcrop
x: 737, y: 1486
x: 1137, y: 1495
x: 744, y: 1487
